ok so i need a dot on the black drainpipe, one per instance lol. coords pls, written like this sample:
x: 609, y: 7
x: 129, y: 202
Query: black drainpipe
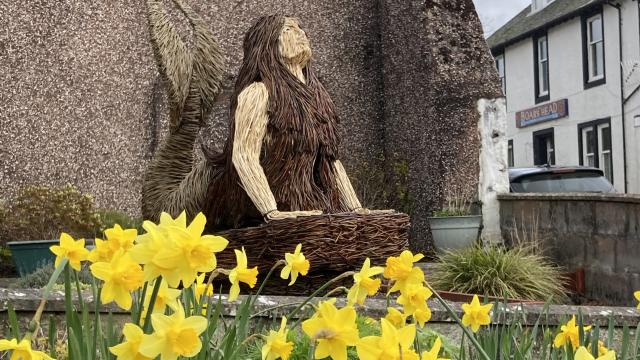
x: 624, y: 128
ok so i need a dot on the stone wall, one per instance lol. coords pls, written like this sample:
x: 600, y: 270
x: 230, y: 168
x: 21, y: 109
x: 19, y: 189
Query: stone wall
x: 81, y: 101
x: 597, y: 232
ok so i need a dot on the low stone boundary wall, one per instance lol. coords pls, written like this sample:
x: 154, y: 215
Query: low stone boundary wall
x: 597, y: 232
x: 26, y: 301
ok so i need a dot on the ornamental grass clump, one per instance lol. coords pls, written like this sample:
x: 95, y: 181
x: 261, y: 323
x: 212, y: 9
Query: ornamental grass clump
x: 516, y: 273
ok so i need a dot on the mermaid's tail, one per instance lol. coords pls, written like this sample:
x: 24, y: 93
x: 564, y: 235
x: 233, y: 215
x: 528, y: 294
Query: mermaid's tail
x: 175, y: 180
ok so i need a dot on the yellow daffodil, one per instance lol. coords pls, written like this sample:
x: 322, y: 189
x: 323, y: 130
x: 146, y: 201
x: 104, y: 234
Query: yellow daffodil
x: 401, y: 270
x: 296, y: 264
x: 241, y: 273
x: 129, y: 349
x: 395, y: 317
x: 201, y: 287
x: 413, y: 297
x: 187, y: 252
x: 276, y: 344
x: 117, y: 238
x: 433, y: 353
x: 70, y: 249
x: 637, y: 296
x: 174, y: 336
x: 148, y: 249
x: 476, y: 315
x: 22, y: 350
x: 166, y: 297
x: 583, y: 354
x: 121, y: 276
x: 101, y: 252
x: 121, y: 238
x: 394, y: 343
x: 363, y: 284
x: 569, y: 333
x: 333, y: 329
x: 422, y: 315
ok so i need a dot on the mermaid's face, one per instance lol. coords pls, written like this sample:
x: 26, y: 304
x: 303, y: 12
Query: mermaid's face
x: 294, y: 45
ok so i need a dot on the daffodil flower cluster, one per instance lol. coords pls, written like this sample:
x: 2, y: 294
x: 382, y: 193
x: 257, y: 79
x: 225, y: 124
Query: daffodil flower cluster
x: 164, y: 277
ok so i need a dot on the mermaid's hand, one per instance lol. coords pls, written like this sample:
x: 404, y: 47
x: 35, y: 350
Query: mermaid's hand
x: 279, y: 215
x: 365, y: 211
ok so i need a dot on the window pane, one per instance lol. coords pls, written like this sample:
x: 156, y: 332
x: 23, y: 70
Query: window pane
x: 605, y: 138
x: 589, y: 146
x: 599, y: 56
x: 545, y: 76
x: 591, y: 160
x: 595, y: 30
x: 542, y: 48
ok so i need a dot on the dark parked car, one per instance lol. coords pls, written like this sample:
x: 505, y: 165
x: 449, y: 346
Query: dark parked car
x: 559, y: 179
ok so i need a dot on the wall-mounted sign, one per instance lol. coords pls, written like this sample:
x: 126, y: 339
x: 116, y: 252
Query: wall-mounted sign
x: 547, y: 112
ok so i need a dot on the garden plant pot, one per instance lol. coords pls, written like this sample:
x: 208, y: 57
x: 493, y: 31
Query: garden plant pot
x: 31, y: 255
x: 455, y: 232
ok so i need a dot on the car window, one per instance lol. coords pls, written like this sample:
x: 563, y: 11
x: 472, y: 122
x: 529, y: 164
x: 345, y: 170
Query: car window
x: 564, y: 182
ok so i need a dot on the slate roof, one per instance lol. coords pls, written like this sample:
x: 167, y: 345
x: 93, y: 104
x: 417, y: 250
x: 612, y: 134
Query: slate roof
x: 525, y: 23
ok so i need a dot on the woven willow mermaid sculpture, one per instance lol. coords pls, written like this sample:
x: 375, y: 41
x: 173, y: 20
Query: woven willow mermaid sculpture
x: 281, y: 157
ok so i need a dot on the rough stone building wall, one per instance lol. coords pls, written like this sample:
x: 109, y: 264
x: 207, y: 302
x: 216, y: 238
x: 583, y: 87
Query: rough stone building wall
x: 436, y: 67
x: 81, y: 101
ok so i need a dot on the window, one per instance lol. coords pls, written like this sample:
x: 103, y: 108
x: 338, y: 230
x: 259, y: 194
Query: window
x: 595, y: 146
x: 593, y: 50
x: 500, y: 67
x: 510, y: 154
x: 541, y: 69
x: 544, y: 148
x: 537, y: 5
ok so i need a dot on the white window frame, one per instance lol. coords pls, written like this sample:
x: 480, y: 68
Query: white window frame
x: 591, y: 46
x: 501, y: 72
x: 542, y: 76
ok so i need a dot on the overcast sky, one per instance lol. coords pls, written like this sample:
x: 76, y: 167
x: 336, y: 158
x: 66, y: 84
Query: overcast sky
x: 495, y: 13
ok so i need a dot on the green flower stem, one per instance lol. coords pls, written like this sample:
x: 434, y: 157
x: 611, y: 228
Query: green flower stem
x: 96, y: 325
x: 336, y: 290
x: 140, y: 307
x: 315, y: 293
x: 34, y: 324
x: 152, y: 303
x: 455, y: 317
x: 78, y: 290
x: 273, y: 268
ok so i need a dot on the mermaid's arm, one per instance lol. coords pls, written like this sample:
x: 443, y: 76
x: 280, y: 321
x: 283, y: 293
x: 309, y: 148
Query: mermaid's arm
x: 251, y: 121
x: 347, y: 194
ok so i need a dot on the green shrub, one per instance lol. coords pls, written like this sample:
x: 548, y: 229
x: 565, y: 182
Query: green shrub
x: 517, y: 273
x: 41, y: 213
x: 110, y: 217
x: 39, y: 278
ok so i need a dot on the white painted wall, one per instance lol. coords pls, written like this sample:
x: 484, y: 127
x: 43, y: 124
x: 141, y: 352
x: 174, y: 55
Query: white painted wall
x: 566, y: 81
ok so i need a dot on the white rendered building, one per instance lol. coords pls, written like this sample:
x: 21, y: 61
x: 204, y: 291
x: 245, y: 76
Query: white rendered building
x: 571, y: 76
